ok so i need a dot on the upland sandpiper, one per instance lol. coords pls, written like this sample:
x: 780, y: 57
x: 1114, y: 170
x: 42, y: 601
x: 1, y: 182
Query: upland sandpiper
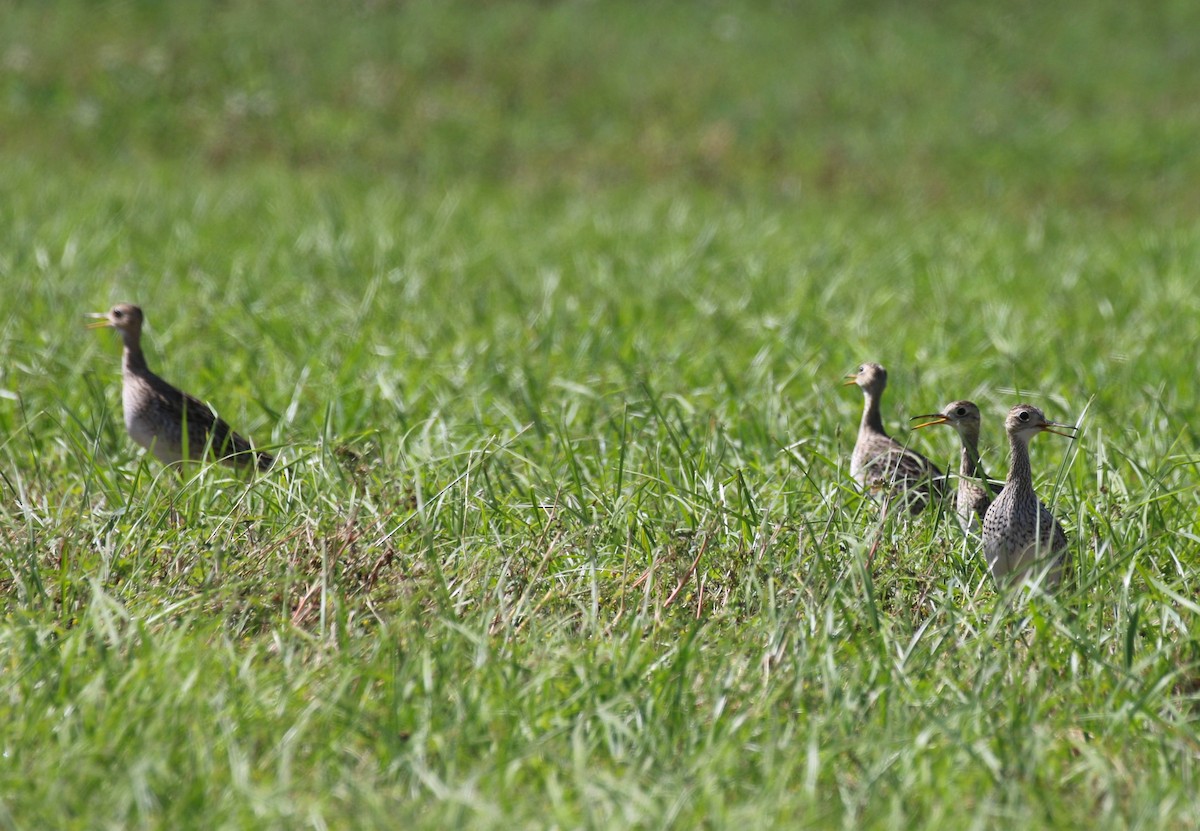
x: 975, y: 490
x: 1019, y: 532
x: 167, y: 421
x: 880, y: 464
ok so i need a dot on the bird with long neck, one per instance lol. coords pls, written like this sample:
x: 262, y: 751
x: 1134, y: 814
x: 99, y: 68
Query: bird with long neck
x: 168, y: 422
x: 879, y: 463
x: 1020, y: 535
x: 975, y: 491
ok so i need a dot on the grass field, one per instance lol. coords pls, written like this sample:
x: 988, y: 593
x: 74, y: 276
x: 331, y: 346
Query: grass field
x: 546, y: 307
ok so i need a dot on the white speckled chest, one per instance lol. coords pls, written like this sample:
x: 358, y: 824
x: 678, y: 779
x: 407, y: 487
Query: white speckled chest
x: 137, y: 403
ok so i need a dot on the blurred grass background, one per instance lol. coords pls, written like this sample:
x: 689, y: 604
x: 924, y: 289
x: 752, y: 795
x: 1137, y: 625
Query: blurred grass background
x: 1070, y: 106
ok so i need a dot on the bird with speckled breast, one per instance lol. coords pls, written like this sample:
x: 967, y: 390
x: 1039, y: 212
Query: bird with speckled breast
x: 879, y: 463
x: 168, y: 422
x: 975, y: 491
x: 1020, y: 535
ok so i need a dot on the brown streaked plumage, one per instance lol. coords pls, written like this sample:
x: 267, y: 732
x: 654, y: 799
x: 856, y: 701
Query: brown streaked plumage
x: 1019, y: 532
x: 880, y: 463
x: 975, y: 491
x: 159, y: 417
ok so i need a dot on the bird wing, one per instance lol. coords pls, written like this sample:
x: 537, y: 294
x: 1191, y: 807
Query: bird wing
x: 888, y: 463
x: 205, y: 427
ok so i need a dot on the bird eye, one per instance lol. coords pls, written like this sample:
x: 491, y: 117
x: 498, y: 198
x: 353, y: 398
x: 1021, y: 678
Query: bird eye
x: 961, y: 411
x: 862, y: 368
x: 118, y: 314
x: 1024, y: 416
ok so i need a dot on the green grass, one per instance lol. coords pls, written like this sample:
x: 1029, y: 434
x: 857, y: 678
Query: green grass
x: 546, y: 308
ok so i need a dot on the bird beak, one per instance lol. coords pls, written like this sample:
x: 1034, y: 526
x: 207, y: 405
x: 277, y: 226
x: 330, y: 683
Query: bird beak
x: 851, y: 379
x: 99, y: 324
x: 1049, y: 426
x: 937, y: 418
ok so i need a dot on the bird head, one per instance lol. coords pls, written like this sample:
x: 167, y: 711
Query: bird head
x: 125, y: 317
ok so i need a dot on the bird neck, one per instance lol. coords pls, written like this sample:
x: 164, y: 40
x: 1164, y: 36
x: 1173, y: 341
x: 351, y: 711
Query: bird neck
x: 968, y: 466
x: 1020, y: 476
x: 871, y: 420
x: 133, y: 360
